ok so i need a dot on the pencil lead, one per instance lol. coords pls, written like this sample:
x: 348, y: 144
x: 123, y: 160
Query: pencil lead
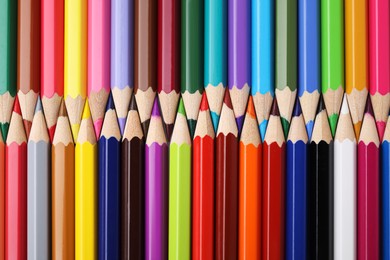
x: 156, y: 109
x: 368, y: 109
x: 110, y: 103
x: 275, y: 108
x: 180, y: 108
x: 86, y: 111
x: 251, y: 108
x: 321, y: 105
x: 38, y: 105
x: 16, y: 108
x: 133, y: 104
x: 62, y: 111
x: 226, y: 100
x: 204, y: 104
x: 297, y: 109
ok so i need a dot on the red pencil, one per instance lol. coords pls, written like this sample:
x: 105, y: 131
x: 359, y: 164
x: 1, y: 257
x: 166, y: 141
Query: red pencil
x: 273, y: 188
x: 16, y: 188
x: 203, y: 185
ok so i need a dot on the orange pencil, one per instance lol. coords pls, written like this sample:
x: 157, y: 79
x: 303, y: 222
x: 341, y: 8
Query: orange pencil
x: 250, y: 187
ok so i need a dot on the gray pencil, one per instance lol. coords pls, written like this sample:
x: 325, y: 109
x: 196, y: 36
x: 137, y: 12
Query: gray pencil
x: 38, y: 188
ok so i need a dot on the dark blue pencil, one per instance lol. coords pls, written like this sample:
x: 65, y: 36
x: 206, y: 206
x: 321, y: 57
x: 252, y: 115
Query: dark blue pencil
x: 386, y: 193
x: 109, y: 192
x: 296, y: 187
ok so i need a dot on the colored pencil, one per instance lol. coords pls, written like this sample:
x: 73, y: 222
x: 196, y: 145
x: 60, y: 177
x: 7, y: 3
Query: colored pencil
x: 86, y: 189
x: 8, y: 58
x: 368, y: 246
x: 309, y: 60
x: 345, y: 187
x: 379, y: 60
x: 2, y: 199
x: 145, y: 58
x: 356, y: 59
x: 239, y: 56
x: 52, y: 56
x: 179, y: 241
x: 320, y: 188
x: 29, y: 58
x: 250, y: 164
x: 99, y: 18
x: 156, y: 188
x: 38, y: 188
x: 63, y: 189
x: 122, y: 56
x: 203, y: 185
x: 168, y: 62
x: 273, y: 200
x: 109, y: 189
x: 385, y: 158
x: 296, y: 186
x: 286, y: 58
x: 215, y: 55
x: 75, y: 60
x: 133, y: 187
x: 332, y: 57
x: 16, y: 187
x: 226, y: 184
x: 192, y: 56
x: 263, y: 67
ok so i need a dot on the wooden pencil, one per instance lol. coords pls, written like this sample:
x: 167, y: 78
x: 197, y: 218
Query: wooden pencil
x: 239, y: 56
x: 368, y: 189
x: 345, y: 187
x: 29, y: 58
x: 215, y: 55
x: 203, y: 185
x: 145, y: 58
x: 8, y: 61
x: 320, y: 188
x: 16, y: 187
x: 356, y: 59
x: 63, y: 189
x: 179, y: 241
x: 156, y: 188
x: 99, y: 18
x: 86, y: 189
x: 133, y: 187
x: 273, y: 201
x: 296, y: 186
x: 75, y: 60
x: 309, y: 60
x: 2, y: 199
x: 286, y: 58
x: 168, y: 62
x: 52, y: 57
x: 38, y: 188
x: 379, y: 60
x: 192, y: 56
x: 250, y: 164
x: 226, y: 184
x: 263, y: 67
x: 385, y: 159
x: 122, y: 56
x: 332, y: 58
x: 109, y: 185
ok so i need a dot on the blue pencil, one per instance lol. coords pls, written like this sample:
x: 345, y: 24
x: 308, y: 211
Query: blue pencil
x: 386, y: 193
x: 309, y: 60
x: 109, y: 192
x: 263, y: 67
x: 296, y: 187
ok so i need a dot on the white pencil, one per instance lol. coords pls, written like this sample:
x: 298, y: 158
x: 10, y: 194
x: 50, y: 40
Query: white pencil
x: 345, y: 187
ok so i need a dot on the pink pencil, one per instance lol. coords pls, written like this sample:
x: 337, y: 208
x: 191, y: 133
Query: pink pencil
x: 99, y: 21
x: 379, y: 57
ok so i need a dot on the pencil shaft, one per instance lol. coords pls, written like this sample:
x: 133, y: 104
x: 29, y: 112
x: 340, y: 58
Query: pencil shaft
x: 133, y: 199
x: 16, y: 201
x: 385, y: 153
x: 2, y: 200
x: 38, y: 201
x: 296, y: 197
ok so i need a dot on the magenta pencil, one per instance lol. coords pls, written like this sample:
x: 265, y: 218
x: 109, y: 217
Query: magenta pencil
x: 368, y: 188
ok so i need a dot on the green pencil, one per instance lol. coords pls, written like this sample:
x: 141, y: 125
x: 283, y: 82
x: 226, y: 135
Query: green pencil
x: 180, y: 189
x: 286, y: 73
x: 8, y: 52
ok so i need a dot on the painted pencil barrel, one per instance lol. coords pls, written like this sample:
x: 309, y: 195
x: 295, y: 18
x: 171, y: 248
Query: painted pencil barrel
x: 2, y: 198
x: 385, y: 152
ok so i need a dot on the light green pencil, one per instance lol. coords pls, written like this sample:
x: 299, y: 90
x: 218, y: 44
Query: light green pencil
x: 180, y: 189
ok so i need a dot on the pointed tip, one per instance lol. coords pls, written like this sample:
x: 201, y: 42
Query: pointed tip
x: 204, y: 104
x: 215, y: 119
x: 368, y: 109
x: 27, y: 127
x: 86, y: 111
x: 227, y: 100
x: 180, y: 108
x: 250, y: 109
x: 309, y: 128
x: 297, y: 109
x: 357, y: 127
x: 122, y: 125
x: 321, y: 105
x: 62, y: 111
x: 381, y: 126
x: 75, y: 130
x: 110, y: 103
x: 145, y: 126
x: 156, y: 108
x: 97, y: 125
x: 38, y: 105
x: 240, y: 122
x: 192, y: 126
x: 133, y: 104
x: 333, y: 119
x: 169, y: 131
x: 275, y: 108
x: 286, y: 127
x: 16, y: 108
x: 263, y: 129
x: 52, y: 131
x: 4, y: 130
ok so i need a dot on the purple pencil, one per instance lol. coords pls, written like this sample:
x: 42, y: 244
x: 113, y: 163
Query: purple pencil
x: 239, y: 56
x: 156, y: 189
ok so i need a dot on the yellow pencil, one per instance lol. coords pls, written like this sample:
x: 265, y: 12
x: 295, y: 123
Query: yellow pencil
x: 86, y: 189
x: 75, y: 60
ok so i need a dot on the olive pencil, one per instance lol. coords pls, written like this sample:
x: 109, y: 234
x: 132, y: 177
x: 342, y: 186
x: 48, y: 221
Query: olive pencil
x: 385, y: 159
x: 133, y: 187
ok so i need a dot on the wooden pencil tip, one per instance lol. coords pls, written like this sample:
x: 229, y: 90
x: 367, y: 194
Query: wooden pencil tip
x: 227, y: 100
x: 133, y: 104
x: 204, y: 104
x: 250, y: 110
x: 275, y: 108
x: 321, y: 105
x: 38, y: 105
x: 156, y: 109
x: 110, y: 103
x: 368, y: 109
x: 180, y: 108
x: 17, y: 106
x: 86, y: 111
x: 62, y: 111
x: 297, y: 109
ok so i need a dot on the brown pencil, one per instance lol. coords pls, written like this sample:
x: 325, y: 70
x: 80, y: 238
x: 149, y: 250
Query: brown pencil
x: 63, y: 189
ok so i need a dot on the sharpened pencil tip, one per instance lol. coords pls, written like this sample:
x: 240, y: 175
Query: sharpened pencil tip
x: 38, y: 105
x: 297, y: 109
x: 62, y: 111
x: 110, y: 103
x: 156, y: 109
x: 204, y: 105
x: 226, y: 100
x: 192, y: 126
x: 180, y: 108
x: 133, y: 104
x: 368, y: 109
x: 17, y: 106
x: 321, y: 105
x: 275, y: 108
x: 86, y: 111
